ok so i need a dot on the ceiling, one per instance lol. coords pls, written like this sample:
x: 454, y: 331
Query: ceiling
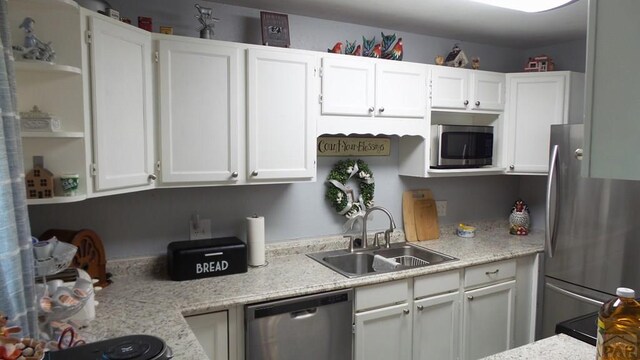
x: 455, y: 19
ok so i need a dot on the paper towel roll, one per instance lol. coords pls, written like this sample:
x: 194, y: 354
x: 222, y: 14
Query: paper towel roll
x: 255, y: 240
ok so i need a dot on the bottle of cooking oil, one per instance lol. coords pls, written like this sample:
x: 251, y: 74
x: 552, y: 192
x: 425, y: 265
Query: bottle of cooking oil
x: 619, y: 327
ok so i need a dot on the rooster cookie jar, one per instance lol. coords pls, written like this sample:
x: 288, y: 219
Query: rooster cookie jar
x: 519, y: 219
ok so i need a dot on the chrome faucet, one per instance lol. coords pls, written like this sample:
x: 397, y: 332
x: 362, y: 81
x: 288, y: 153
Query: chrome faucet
x: 387, y: 233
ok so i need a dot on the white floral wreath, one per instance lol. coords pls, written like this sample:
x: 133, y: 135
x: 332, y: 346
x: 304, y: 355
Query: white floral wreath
x: 342, y: 198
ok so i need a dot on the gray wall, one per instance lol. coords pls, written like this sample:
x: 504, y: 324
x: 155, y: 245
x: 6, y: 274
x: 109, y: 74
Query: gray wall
x: 144, y: 223
x: 242, y: 24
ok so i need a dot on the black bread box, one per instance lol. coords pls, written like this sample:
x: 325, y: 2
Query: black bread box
x: 196, y: 259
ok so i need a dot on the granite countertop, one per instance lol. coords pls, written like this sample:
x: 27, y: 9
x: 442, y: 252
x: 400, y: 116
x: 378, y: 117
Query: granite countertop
x: 144, y: 300
x: 552, y: 348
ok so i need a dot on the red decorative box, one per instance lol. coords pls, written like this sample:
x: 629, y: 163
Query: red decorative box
x: 145, y: 23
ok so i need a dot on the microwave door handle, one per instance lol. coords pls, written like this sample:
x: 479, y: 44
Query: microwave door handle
x: 550, y: 234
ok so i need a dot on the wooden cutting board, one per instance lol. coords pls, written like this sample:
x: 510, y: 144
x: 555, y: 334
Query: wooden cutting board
x: 420, y: 215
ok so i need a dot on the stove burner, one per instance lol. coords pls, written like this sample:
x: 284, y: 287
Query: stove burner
x: 127, y: 350
x: 138, y: 347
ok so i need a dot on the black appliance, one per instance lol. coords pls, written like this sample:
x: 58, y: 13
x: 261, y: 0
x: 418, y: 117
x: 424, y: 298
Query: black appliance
x: 461, y: 146
x: 583, y: 328
x: 196, y: 259
x: 131, y: 347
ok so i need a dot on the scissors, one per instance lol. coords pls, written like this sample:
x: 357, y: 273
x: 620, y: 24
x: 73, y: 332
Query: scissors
x: 66, y: 339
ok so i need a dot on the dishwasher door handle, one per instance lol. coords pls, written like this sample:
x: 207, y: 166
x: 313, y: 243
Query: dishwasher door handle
x: 303, y: 314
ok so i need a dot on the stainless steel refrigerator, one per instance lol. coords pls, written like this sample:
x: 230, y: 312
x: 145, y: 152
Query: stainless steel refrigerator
x: 592, y: 234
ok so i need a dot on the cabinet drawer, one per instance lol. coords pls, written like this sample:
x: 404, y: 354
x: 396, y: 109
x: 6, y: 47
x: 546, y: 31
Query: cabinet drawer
x: 434, y: 284
x: 373, y: 296
x: 489, y: 273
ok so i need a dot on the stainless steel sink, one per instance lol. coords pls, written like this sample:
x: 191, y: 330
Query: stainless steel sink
x: 360, y: 263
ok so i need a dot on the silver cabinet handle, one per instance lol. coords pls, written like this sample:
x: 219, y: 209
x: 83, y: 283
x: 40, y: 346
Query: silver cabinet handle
x: 578, y: 154
x: 466, y: 102
x: 234, y: 174
x: 549, y: 233
x: 477, y: 103
x: 152, y: 177
x: 470, y: 297
x: 371, y: 109
x: 254, y: 173
x: 406, y: 311
x: 381, y: 109
x: 511, y: 167
x: 574, y: 295
x: 420, y: 307
x: 492, y: 272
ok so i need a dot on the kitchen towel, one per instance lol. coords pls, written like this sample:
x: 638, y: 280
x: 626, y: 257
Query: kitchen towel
x: 255, y: 240
x: 381, y: 263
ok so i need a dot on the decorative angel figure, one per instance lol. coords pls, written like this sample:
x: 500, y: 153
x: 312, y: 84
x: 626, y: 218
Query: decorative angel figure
x: 207, y: 20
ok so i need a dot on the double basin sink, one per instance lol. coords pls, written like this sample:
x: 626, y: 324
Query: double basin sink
x: 361, y: 262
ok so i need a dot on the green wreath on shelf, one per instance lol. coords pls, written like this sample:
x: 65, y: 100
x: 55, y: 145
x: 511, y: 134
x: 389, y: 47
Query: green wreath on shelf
x: 342, y: 197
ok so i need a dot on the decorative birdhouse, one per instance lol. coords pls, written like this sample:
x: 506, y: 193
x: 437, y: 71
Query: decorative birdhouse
x: 456, y: 57
x: 519, y: 218
x: 39, y: 180
x: 540, y: 63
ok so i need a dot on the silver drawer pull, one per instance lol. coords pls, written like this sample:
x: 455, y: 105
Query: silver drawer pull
x: 470, y: 297
x: 405, y: 311
x: 420, y: 307
x: 214, y: 254
x: 492, y: 272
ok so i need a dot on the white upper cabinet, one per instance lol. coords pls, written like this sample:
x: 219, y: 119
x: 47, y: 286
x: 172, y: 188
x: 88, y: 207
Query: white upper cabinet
x: 401, y: 89
x: 199, y: 85
x: 282, y: 107
x: 121, y: 62
x: 463, y: 89
x: 348, y: 86
x: 537, y: 101
x: 365, y: 87
x: 613, y: 87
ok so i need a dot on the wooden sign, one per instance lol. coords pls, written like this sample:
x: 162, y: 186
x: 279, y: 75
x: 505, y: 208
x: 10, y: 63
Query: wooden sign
x: 353, y: 146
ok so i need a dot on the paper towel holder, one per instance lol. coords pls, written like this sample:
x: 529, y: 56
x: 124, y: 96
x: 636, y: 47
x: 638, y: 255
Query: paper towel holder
x: 266, y: 262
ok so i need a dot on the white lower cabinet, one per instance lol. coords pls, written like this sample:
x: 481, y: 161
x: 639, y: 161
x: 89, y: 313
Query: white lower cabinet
x: 436, y: 327
x: 383, y: 333
x: 219, y: 333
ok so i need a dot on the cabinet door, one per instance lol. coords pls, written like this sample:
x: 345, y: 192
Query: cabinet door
x: 383, y: 333
x: 449, y: 88
x: 282, y: 111
x: 212, y: 333
x: 401, y: 90
x: 436, y: 327
x: 122, y: 104
x: 488, y: 320
x: 536, y: 101
x: 198, y: 87
x: 348, y: 86
x: 488, y: 91
x: 613, y: 86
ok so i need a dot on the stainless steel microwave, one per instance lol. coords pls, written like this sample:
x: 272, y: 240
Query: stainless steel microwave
x: 460, y: 146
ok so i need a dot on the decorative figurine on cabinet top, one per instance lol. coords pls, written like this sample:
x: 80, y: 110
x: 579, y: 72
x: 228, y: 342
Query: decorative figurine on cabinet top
x: 456, y: 57
x: 387, y: 42
x: 350, y: 47
x: 475, y: 63
x: 396, y: 52
x: 540, y: 63
x: 34, y: 48
x: 367, y: 46
x: 205, y: 16
x: 336, y: 49
x: 519, y: 218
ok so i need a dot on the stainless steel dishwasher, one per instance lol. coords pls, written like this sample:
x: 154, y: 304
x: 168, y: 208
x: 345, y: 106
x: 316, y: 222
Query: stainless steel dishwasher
x: 311, y: 327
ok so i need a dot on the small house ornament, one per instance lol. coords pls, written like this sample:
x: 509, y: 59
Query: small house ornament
x: 456, y: 58
x: 519, y: 219
x: 39, y: 180
x: 540, y: 63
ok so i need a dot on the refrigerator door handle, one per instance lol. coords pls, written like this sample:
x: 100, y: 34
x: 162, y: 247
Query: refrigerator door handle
x: 574, y: 295
x: 549, y: 233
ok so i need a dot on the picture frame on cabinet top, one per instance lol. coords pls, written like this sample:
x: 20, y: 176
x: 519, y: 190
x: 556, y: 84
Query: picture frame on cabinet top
x: 275, y: 29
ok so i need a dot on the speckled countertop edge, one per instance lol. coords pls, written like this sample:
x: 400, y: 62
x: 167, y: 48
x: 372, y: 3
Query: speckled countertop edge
x: 552, y: 348
x: 143, y: 300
